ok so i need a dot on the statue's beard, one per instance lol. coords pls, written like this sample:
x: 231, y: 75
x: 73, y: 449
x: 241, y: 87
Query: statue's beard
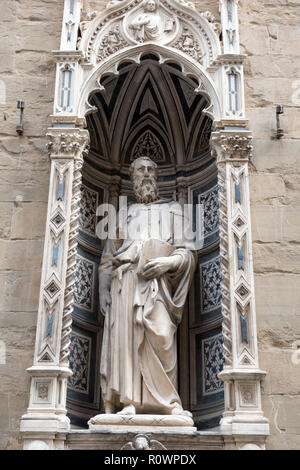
x: 145, y: 190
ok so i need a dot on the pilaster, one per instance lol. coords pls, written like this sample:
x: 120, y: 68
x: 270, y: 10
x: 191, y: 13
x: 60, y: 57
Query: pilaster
x: 242, y: 377
x: 46, y: 414
x: 230, y: 26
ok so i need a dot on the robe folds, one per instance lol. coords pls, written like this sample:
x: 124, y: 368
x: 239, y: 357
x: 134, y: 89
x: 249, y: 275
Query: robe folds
x: 139, y: 345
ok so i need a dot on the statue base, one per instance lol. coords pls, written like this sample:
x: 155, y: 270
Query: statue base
x: 143, y: 423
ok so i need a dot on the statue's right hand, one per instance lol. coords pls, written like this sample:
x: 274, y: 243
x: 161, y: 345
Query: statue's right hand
x: 105, y: 301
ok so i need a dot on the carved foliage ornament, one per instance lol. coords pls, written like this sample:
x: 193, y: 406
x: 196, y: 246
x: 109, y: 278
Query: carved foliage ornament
x: 111, y: 42
x: 213, y: 21
x: 233, y: 147
x: 65, y: 144
x: 188, y: 44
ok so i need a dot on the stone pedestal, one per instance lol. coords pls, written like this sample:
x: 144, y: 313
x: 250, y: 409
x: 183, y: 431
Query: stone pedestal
x: 142, y: 423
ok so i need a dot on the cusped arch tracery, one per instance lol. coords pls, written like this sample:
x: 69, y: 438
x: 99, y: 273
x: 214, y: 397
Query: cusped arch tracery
x: 146, y: 105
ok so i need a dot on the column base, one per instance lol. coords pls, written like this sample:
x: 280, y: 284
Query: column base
x: 245, y: 425
x: 41, y: 431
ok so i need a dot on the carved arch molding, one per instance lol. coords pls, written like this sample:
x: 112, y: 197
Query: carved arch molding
x: 97, y: 52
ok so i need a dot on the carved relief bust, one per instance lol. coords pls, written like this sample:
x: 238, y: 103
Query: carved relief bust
x: 151, y: 23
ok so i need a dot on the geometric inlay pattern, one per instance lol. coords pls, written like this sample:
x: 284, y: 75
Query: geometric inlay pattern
x: 239, y: 223
x: 84, y: 282
x: 52, y: 289
x: 243, y: 292
x: 210, y: 202
x: 79, y: 362
x: 213, y: 363
x: 148, y: 145
x: 57, y: 220
x: 211, y: 284
x: 88, y: 207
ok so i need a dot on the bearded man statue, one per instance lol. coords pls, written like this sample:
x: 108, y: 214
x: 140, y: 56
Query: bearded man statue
x: 144, y: 279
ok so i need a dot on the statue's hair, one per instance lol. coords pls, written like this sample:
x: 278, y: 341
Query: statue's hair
x: 144, y: 157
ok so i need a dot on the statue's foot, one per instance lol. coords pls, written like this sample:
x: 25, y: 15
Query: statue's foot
x: 179, y: 411
x: 127, y: 410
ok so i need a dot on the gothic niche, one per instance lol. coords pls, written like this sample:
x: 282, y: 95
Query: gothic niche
x: 150, y: 109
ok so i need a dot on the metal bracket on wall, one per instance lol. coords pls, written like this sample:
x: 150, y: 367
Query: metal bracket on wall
x: 20, y: 106
x: 279, y: 131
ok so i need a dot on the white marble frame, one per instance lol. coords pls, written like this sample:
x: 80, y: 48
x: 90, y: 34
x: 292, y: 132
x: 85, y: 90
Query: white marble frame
x: 46, y: 419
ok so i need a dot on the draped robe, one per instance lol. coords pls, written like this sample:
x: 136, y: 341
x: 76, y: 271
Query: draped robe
x: 139, y: 355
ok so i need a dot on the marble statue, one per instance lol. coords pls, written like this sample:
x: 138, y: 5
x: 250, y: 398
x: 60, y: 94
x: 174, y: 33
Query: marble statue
x: 151, y: 24
x: 144, y: 281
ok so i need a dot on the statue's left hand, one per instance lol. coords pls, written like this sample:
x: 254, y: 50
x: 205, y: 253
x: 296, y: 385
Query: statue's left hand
x: 158, y: 266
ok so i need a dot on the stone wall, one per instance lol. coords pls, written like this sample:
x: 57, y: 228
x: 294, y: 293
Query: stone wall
x: 270, y: 35
x: 30, y: 30
x: 270, y: 32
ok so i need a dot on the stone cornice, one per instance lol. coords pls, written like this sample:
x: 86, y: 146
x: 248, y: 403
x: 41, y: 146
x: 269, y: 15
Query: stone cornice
x: 68, y: 56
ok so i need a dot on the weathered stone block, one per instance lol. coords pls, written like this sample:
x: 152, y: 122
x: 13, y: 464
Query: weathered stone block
x: 277, y: 295
x: 276, y: 258
x: 276, y: 156
x: 4, y: 414
x: 266, y: 188
x: 269, y: 91
x: 20, y: 291
x: 255, y: 40
x: 271, y: 66
x: 278, y: 409
x: 35, y: 12
x: 21, y: 254
x: 28, y: 185
x: 30, y: 39
x: 276, y: 224
x: 6, y: 211
x: 29, y: 221
x: 283, y: 374
x: 18, y: 319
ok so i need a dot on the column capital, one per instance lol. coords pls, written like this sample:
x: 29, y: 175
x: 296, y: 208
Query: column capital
x: 233, y: 146
x: 70, y: 143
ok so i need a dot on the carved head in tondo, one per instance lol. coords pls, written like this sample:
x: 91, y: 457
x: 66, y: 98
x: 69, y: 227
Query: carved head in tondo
x: 143, y: 174
x: 151, y: 5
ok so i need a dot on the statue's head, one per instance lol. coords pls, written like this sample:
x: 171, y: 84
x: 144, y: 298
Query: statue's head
x: 141, y: 442
x: 143, y: 174
x: 151, y: 5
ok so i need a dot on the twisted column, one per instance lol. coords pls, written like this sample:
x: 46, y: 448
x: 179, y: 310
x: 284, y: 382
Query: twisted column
x: 224, y: 249
x: 71, y: 261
